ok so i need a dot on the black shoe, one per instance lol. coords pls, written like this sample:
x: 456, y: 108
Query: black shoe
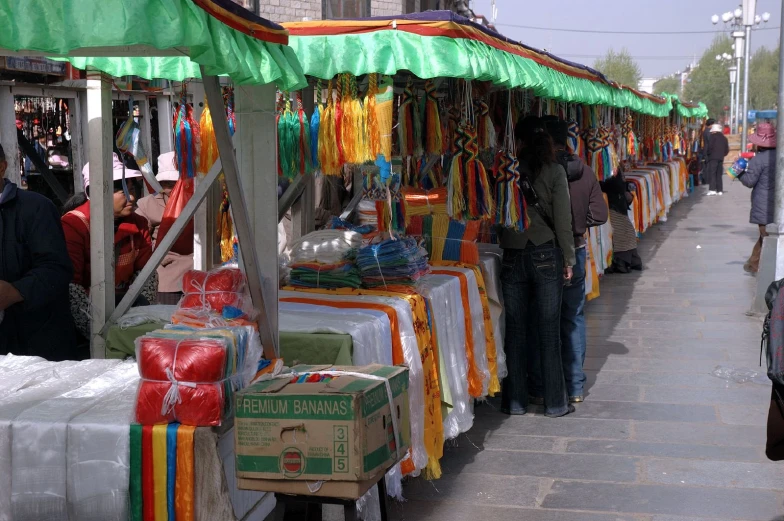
x: 569, y: 410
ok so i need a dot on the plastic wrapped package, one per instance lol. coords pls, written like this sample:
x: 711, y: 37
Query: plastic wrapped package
x: 215, y: 290
x: 13, y: 380
x: 39, y: 476
x: 98, y: 457
x: 410, y: 354
x: 61, y: 381
x: 11, y: 361
x: 370, y: 330
x: 443, y: 291
x: 325, y: 246
x: 190, y: 376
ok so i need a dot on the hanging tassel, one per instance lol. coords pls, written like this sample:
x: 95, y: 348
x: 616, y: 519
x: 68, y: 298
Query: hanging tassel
x: 484, y: 125
x: 228, y: 101
x: 416, y: 113
x: 315, y: 121
x: 479, y: 195
x: 328, y: 141
x: 433, y: 136
x: 405, y: 122
x: 186, y: 139
x: 384, y: 109
x: 288, y: 140
x: 348, y: 122
x: 339, y: 121
x: 305, y: 164
x: 372, y: 119
x: 455, y: 196
x: 224, y: 228
x: 208, y: 153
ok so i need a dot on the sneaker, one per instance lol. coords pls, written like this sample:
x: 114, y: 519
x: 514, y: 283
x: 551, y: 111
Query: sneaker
x: 576, y: 399
x: 721, y: 193
x: 712, y: 192
x: 569, y: 410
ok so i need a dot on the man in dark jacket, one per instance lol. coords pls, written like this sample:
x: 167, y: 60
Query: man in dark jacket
x: 704, y: 138
x: 34, y: 274
x: 717, y: 149
x: 588, y: 209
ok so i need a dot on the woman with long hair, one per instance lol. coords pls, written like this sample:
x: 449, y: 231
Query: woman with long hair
x: 536, y: 264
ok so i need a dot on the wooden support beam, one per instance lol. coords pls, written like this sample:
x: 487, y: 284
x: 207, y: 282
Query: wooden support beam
x: 293, y: 194
x: 99, y: 114
x: 163, y: 247
x: 78, y: 120
x: 303, y: 211
x: 257, y: 145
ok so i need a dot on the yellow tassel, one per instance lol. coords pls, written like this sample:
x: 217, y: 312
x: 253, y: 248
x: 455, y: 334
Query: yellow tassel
x: 347, y: 121
x: 208, y: 152
x: 328, y: 150
x: 433, y: 135
x: 371, y: 119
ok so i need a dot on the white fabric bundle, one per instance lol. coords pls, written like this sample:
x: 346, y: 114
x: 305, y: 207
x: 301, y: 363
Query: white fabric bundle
x: 490, y: 263
x: 478, y: 324
x: 443, y: 292
x: 39, y: 440
x: 62, y: 381
x: 325, y: 246
x: 13, y: 380
x: 98, y: 455
x: 370, y: 330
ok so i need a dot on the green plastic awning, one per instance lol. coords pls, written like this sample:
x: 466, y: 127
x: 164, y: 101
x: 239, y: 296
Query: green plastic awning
x: 453, y: 48
x: 165, y: 39
x: 687, y: 110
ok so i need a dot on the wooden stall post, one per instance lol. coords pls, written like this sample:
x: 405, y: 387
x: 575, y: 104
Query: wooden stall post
x: 165, y: 137
x: 254, y: 195
x: 99, y: 114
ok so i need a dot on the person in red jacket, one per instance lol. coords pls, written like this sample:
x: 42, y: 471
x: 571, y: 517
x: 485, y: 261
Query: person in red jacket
x: 132, y: 243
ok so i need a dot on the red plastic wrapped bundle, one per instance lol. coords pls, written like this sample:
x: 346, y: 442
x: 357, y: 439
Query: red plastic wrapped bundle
x: 182, y: 380
x: 214, y: 290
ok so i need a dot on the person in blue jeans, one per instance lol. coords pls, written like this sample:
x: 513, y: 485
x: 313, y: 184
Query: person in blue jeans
x: 588, y: 209
x: 536, y: 263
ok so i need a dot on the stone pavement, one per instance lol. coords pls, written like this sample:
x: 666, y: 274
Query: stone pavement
x: 659, y: 438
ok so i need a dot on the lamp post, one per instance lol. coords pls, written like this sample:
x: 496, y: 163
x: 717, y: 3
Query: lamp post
x: 740, y: 22
x: 726, y: 58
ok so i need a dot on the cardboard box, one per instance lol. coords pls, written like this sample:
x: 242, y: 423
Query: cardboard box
x: 339, y: 430
x: 331, y: 489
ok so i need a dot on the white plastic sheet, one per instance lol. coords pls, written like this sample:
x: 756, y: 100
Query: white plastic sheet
x: 39, y: 442
x: 370, y: 330
x: 146, y: 314
x: 443, y: 292
x: 98, y: 456
x: 62, y: 381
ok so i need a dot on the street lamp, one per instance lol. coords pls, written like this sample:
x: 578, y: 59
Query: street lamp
x: 727, y: 58
x: 740, y: 22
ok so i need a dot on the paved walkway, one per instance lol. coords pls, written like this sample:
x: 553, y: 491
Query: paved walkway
x: 659, y: 438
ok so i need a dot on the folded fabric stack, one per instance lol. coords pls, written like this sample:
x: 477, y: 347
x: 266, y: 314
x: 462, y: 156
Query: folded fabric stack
x: 325, y: 259
x: 392, y: 262
x: 317, y: 275
x: 190, y: 376
x: 339, y: 224
x: 222, y: 291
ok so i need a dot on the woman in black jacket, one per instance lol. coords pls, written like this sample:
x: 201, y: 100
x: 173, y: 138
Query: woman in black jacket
x: 34, y: 274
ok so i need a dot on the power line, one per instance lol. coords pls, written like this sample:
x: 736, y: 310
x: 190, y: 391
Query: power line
x: 591, y: 31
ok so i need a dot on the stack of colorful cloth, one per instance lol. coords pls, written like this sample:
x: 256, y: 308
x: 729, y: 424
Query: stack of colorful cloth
x: 222, y: 291
x: 392, y: 262
x: 190, y: 376
x: 325, y: 259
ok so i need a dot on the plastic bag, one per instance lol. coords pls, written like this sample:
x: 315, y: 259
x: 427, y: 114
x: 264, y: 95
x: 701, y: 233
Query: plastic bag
x: 740, y: 375
x: 217, y: 290
x: 190, y: 376
x: 182, y: 193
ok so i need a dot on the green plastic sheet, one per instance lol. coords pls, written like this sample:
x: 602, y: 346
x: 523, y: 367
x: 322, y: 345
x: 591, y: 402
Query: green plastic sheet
x: 390, y: 52
x: 690, y: 111
x: 61, y: 27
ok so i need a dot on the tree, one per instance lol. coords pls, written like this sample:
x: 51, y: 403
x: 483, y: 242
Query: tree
x: 670, y: 85
x: 620, y: 67
x: 709, y: 82
x: 764, y: 79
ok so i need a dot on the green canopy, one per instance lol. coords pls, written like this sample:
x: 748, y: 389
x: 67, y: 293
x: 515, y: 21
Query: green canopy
x: 166, y: 39
x: 687, y: 110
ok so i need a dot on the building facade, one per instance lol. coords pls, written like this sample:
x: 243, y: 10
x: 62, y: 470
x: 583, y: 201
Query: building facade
x: 298, y: 10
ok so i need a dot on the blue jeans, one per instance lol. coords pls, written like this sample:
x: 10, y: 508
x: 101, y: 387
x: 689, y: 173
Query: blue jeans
x: 573, y: 328
x: 532, y: 281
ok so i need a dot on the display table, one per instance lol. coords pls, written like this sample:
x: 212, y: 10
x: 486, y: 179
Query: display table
x: 120, y: 343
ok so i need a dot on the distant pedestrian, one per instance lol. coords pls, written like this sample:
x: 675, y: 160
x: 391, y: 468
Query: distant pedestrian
x: 760, y: 177
x: 717, y: 149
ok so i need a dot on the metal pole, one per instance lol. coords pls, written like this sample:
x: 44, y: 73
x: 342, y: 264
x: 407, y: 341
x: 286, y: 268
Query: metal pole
x: 779, y: 210
x: 733, y: 116
x: 745, y: 112
x: 737, y: 98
